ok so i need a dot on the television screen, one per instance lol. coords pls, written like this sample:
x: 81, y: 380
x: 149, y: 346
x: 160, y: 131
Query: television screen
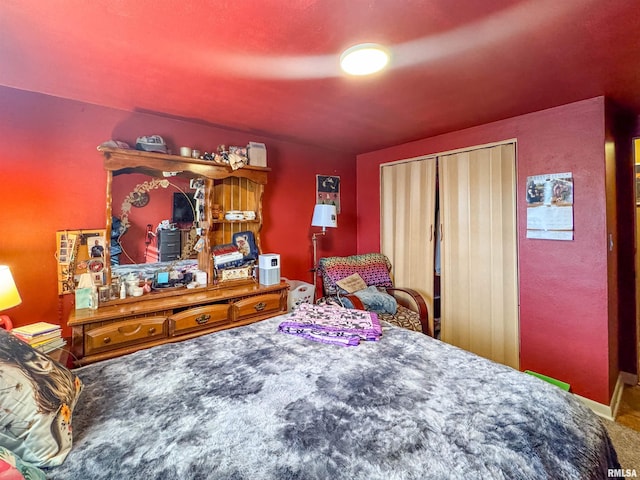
x: 183, y: 208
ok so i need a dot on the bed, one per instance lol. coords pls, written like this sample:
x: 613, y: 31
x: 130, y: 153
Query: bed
x: 253, y: 402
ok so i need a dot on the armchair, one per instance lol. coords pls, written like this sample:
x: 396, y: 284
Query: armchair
x: 374, y: 268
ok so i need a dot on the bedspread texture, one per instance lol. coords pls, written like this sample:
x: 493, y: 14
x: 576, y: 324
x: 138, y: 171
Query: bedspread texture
x: 252, y: 403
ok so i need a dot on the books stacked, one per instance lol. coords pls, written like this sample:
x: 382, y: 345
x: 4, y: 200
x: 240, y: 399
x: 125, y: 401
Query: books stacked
x: 226, y: 256
x: 42, y: 336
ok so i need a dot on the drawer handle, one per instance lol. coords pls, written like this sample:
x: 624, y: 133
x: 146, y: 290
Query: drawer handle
x: 202, y: 319
x: 152, y: 330
x: 260, y: 306
x: 107, y: 340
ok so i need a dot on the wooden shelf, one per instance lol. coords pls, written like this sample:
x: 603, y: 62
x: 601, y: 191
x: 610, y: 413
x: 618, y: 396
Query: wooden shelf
x: 125, y: 160
x: 232, y: 222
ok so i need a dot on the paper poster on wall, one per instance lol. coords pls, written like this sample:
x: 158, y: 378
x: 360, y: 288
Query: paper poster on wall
x: 550, y: 206
x: 328, y: 190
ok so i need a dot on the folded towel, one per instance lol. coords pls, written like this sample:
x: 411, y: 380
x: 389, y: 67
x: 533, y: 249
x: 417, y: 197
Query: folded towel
x: 332, y: 324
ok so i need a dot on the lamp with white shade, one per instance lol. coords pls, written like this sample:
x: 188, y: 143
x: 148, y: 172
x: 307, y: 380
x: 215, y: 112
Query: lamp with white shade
x: 9, y: 296
x: 323, y: 216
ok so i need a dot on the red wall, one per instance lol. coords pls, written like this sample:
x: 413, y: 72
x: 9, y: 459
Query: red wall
x: 564, y: 329
x: 53, y: 179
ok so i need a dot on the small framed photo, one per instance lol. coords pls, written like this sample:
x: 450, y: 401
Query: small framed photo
x: 246, y: 244
x: 95, y: 245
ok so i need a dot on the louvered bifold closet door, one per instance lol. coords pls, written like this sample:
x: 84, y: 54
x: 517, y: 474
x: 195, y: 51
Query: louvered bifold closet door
x: 407, y: 224
x: 479, y: 252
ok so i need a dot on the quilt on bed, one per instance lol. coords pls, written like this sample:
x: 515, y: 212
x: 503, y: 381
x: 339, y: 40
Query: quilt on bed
x: 253, y: 403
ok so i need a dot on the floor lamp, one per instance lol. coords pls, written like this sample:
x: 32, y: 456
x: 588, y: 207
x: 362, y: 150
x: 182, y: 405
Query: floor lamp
x: 323, y: 216
x: 9, y: 296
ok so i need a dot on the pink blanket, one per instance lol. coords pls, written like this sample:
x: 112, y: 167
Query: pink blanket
x: 332, y: 324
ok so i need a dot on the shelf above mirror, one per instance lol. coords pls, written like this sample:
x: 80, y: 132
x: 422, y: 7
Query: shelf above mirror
x: 116, y: 159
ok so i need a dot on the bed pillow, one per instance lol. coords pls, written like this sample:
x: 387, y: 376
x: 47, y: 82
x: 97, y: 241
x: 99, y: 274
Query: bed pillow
x: 37, y: 396
x: 12, y: 466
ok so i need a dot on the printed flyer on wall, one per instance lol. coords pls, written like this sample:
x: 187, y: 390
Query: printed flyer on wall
x: 550, y: 206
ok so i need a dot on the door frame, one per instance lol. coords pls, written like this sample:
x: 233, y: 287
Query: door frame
x: 636, y: 186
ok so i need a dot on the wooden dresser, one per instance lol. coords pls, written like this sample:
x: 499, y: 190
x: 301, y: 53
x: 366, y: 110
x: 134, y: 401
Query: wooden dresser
x: 135, y: 323
x: 121, y: 326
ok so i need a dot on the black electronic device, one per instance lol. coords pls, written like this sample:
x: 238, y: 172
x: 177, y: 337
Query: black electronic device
x: 183, y: 207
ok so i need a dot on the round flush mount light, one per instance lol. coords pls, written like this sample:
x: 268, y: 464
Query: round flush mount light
x: 364, y: 59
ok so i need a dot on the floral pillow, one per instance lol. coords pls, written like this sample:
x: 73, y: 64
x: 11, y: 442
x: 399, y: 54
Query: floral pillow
x: 37, y: 398
x: 12, y: 467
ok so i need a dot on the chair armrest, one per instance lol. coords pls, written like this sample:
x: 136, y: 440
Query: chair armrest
x: 357, y: 303
x: 418, y: 305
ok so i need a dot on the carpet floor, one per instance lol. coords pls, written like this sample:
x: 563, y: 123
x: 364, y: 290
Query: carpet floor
x: 629, y: 408
x: 625, y: 431
x: 627, y: 442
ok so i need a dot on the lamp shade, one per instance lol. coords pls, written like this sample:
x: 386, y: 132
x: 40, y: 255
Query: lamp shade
x: 9, y: 296
x: 324, y: 216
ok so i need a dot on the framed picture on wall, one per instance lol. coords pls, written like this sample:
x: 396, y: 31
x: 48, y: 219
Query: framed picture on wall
x: 638, y: 184
x: 328, y: 190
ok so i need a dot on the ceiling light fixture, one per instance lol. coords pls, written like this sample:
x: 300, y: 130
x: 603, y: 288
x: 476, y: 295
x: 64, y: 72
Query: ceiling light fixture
x: 364, y: 59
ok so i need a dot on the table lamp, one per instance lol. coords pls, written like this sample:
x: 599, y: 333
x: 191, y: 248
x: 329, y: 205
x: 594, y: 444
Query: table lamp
x: 9, y: 296
x: 323, y: 216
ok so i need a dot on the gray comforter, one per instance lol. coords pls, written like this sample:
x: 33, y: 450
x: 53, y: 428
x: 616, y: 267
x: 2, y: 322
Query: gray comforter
x: 252, y: 403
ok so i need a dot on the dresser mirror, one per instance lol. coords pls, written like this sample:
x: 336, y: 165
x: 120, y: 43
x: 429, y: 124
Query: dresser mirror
x: 143, y: 207
x: 145, y: 189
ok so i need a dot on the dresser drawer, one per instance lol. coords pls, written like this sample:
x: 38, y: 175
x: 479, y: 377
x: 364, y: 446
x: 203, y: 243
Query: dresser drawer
x: 169, y: 241
x: 169, y: 234
x: 128, y: 332
x: 258, y: 305
x: 170, y: 247
x: 198, y: 319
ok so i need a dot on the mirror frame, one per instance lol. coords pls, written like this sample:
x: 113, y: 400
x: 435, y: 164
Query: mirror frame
x: 165, y: 187
x: 160, y: 165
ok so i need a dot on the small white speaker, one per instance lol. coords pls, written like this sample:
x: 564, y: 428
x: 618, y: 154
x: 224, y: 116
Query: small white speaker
x: 269, y: 269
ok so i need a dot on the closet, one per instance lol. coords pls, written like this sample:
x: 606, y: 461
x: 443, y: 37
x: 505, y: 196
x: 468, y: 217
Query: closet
x: 472, y: 193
